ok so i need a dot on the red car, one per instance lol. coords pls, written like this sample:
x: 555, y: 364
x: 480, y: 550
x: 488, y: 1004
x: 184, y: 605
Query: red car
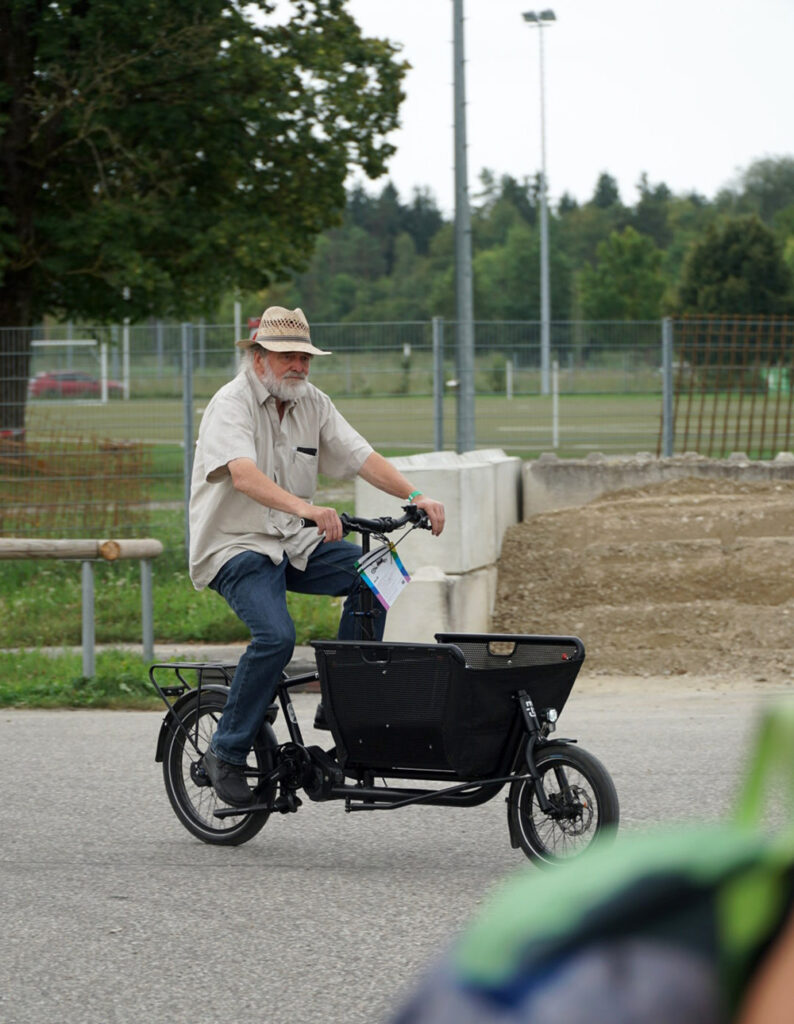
x: 69, y: 383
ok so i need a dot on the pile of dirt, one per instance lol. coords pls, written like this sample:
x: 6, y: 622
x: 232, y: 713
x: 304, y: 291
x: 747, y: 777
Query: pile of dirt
x: 693, y: 576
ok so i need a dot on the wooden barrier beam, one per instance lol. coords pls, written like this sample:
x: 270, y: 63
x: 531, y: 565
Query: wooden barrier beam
x: 145, y: 547
x: 81, y: 549
x: 25, y: 547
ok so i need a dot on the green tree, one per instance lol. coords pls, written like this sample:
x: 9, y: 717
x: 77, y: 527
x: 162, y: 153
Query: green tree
x: 507, y: 278
x: 401, y: 295
x: 627, y: 282
x: 737, y: 267
x: 764, y: 188
x: 422, y: 219
x: 688, y: 216
x: 606, y: 192
x: 650, y: 216
x: 582, y: 228
x: 173, y: 149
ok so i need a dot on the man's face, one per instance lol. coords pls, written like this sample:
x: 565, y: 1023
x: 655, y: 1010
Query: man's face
x: 284, y: 374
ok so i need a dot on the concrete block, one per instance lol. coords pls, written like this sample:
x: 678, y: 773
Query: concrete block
x: 435, y: 602
x: 551, y: 483
x: 469, y: 492
x: 421, y: 610
x: 508, y: 483
x: 471, y: 600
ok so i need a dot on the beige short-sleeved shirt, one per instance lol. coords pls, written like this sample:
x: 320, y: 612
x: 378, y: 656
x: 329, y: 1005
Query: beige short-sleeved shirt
x: 241, y: 421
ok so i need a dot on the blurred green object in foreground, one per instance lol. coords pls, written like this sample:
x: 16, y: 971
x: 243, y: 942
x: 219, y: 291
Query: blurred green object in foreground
x: 668, y: 927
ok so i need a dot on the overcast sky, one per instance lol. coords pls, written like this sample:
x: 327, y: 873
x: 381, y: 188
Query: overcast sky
x: 689, y: 91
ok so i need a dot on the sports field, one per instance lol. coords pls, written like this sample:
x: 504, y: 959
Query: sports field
x: 523, y: 425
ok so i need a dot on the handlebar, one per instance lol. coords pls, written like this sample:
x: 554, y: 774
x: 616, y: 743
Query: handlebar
x: 384, y: 524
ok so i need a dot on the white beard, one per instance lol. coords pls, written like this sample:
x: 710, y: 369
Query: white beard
x: 286, y: 388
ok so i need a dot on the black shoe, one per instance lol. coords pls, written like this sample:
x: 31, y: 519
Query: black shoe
x: 320, y: 721
x: 228, y: 780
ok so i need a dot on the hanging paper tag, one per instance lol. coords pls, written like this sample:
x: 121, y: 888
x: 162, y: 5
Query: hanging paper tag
x: 384, y: 573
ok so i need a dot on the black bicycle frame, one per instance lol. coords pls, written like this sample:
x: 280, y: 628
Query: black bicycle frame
x: 367, y: 605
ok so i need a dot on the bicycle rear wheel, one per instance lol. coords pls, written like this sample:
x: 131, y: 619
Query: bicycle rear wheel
x: 584, y: 804
x: 188, y: 787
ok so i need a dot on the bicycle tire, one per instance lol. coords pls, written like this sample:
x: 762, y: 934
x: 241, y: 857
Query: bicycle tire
x: 192, y: 797
x: 584, y: 799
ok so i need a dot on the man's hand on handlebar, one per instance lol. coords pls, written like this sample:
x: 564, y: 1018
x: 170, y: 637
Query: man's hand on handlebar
x: 435, y: 512
x: 327, y: 521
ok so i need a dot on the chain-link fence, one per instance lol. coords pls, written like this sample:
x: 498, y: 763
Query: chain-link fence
x: 97, y: 423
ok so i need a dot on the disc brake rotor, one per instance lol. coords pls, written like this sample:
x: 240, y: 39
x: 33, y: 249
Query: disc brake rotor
x: 575, y: 814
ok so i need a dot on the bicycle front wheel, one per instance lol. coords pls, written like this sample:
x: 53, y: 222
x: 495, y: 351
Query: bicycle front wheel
x: 188, y: 787
x: 583, y: 804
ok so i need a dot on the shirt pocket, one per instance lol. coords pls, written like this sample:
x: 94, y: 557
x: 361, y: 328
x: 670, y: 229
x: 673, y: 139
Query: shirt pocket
x: 303, y: 472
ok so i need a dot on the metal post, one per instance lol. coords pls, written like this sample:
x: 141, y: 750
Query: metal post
x: 125, y: 357
x: 187, y: 414
x: 438, y: 383
x: 159, y: 336
x: 238, y: 327
x: 147, y: 616
x: 542, y: 21
x: 667, y: 387
x: 509, y: 379
x: 103, y: 370
x: 87, y: 574
x: 463, y: 266
x: 545, y: 290
x: 555, y: 405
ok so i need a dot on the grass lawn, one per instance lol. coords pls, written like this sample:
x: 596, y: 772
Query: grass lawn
x: 399, y: 424
x: 41, y: 606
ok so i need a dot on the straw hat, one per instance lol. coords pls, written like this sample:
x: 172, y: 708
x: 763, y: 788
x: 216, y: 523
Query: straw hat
x: 283, y: 330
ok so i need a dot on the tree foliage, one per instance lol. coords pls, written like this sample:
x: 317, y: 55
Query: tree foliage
x: 154, y: 153
x: 176, y: 149
x: 607, y: 261
x: 627, y: 282
x: 737, y: 267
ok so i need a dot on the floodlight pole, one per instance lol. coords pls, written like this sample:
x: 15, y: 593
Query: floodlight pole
x: 463, y: 266
x: 541, y: 21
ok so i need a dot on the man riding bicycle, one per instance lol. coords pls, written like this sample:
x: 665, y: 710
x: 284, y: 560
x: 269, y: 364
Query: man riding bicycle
x: 264, y: 437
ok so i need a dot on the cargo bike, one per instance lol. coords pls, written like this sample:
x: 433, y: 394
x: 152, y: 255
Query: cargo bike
x: 445, y: 724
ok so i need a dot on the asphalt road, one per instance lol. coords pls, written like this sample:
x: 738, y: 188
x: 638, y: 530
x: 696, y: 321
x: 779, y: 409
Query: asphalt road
x: 112, y: 912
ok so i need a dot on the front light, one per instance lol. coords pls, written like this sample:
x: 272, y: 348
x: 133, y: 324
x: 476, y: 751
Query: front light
x: 551, y: 715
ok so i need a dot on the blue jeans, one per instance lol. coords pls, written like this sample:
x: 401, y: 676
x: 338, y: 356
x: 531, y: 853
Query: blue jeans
x: 256, y: 591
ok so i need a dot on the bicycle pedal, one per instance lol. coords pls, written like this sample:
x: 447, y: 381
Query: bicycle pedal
x: 287, y: 803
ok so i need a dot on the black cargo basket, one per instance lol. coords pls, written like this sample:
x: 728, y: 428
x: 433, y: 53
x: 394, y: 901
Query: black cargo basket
x: 448, y: 706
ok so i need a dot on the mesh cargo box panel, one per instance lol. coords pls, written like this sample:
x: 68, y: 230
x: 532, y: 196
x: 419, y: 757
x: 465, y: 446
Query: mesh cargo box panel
x: 385, y: 703
x: 482, y: 704
x: 446, y: 706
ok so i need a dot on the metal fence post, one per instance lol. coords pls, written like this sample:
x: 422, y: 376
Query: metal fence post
x: 147, y: 616
x: 238, y: 329
x: 125, y: 358
x: 159, y: 342
x: 667, y: 387
x: 103, y: 369
x: 438, y: 383
x: 87, y: 574
x: 464, y: 286
x: 187, y: 419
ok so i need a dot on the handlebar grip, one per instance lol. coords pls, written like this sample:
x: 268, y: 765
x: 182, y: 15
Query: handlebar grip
x: 308, y: 522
